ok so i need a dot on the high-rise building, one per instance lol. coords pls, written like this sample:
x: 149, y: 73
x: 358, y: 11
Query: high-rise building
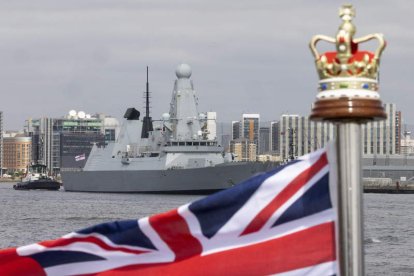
x: 274, y: 137
x: 299, y: 135
x: 398, y: 132
x: 289, y: 127
x: 250, y: 127
x: 383, y: 137
x: 243, y: 134
x: 243, y: 149
x: 235, y: 130
x: 1, y: 143
x: 17, y: 153
x: 57, y: 141
x: 407, y: 144
x: 264, y: 140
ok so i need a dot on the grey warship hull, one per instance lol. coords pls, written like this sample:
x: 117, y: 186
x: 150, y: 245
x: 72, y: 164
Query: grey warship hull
x: 183, y: 181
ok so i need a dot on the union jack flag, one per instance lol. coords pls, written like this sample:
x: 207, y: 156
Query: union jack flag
x: 80, y: 157
x: 280, y: 222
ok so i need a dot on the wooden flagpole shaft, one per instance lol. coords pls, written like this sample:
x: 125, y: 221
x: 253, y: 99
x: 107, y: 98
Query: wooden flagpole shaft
x: 350, y: 204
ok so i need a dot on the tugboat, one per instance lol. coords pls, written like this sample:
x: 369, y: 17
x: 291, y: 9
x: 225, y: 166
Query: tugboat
x: 37, y: 179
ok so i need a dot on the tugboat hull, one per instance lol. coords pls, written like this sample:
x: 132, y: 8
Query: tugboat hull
x: 38, y: 185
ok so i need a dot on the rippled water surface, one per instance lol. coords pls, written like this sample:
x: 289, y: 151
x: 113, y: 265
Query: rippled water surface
x: 389, y: 234
x: 31, y: 216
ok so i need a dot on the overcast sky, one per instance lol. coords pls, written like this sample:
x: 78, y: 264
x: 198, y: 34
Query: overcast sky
x: 246, y: 56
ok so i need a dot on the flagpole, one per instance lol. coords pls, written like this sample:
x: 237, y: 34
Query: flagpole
x: 348, y: 96
x: 350, y: 204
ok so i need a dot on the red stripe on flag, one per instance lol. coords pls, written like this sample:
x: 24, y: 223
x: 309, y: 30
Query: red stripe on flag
x: 94, y: 240
x: 259, y: 221
x: 13, y: 264
x: 173, y: 230
x: 309, y: 247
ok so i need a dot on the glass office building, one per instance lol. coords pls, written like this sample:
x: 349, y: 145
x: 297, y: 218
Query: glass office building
x: 57, y: 141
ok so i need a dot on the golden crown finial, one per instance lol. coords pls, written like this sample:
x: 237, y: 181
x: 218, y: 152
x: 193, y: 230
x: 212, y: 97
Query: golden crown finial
x: 347, y: 61
x: 347, y: 12
x: 348, y: 86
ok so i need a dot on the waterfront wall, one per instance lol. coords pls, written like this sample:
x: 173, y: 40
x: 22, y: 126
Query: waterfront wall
x: 387, y: 185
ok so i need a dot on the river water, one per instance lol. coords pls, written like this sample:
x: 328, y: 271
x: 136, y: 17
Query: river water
x: 31, y: 216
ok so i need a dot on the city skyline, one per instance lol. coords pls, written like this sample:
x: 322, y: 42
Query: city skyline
x: 58, y: 56
x: 219, y: 124
x: 222, y: 127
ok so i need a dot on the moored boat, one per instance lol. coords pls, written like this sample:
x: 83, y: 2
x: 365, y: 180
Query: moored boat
x: 37, y: 178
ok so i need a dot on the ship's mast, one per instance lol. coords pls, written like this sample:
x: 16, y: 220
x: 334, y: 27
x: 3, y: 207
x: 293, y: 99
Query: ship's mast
x: 147, y: 120
x: 147, y: 97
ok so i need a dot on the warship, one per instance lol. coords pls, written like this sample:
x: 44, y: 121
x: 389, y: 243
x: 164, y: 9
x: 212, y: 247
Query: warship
x: 177, y: 156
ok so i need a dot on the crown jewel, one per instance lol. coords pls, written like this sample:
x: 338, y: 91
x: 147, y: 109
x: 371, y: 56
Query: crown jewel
x: 347, y: 61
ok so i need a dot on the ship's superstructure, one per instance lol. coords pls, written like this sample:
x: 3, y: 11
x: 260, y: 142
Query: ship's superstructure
x: 175, y: 156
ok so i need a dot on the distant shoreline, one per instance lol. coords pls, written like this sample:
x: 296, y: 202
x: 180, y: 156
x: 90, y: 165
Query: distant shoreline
x: 8, y: 181
x: 403, y: 189
x: 376, y: 188
x: 387, y: 186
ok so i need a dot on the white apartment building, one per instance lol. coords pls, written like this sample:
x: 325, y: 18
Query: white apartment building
x: 383, y: 137
x: 407, y: 144
x: 299, y: 136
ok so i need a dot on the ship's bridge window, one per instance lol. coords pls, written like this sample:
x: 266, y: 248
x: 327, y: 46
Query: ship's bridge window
x: 182, y: 143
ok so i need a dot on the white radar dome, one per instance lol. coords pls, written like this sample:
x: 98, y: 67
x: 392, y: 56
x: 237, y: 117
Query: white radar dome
x: 183, y: 71
x: 166, y: 116
x: 81, y: 114
x: 72, y: 113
